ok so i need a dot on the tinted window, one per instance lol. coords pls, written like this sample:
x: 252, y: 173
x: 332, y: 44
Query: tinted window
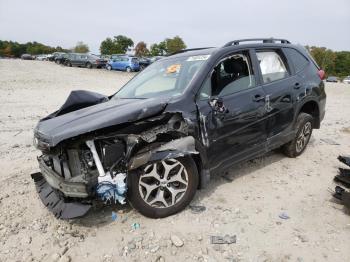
x: 272, y: 66
x: 299, y: 61
x: 231, y: 75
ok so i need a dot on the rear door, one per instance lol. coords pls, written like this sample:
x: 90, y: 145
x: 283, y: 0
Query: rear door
x: 278, y: 83
x: 233, y: 127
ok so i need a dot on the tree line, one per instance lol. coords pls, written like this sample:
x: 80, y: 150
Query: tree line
x: 121, y: 44
x: 335, y: 63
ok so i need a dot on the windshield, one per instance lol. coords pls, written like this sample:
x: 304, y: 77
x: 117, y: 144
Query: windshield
x: 167, y: 77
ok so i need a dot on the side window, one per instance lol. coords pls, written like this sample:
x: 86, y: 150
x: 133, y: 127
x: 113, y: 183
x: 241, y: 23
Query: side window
x: 299, y: 61
x: 232, y: 74
x: 272, y: 66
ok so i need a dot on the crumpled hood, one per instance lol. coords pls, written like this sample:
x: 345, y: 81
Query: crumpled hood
x: 113, y: 112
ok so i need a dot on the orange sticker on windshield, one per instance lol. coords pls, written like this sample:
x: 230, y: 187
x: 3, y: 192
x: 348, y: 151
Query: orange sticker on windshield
x: 173, y: 69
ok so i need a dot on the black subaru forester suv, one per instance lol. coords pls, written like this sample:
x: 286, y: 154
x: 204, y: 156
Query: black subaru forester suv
x: 183, y: 119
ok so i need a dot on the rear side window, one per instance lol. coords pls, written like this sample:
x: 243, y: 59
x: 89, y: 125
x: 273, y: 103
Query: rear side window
x: 299, y: 61
x: 272, y: 66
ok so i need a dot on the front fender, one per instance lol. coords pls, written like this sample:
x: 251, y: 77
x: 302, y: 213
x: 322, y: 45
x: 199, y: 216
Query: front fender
x: 176, y: 148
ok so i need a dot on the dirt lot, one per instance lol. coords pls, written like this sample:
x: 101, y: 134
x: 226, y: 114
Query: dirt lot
x: 246, y: 203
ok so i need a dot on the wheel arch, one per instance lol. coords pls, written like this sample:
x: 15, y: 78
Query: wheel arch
x: 311, y: 107
x: 173, y: 147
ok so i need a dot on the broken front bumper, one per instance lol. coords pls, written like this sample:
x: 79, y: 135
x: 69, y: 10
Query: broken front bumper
x: 57, y: 203
x: 69, y: 189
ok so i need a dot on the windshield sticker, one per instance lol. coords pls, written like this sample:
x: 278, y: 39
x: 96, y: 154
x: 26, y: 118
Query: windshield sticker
x: 173, y: 69
x: 198, y: 58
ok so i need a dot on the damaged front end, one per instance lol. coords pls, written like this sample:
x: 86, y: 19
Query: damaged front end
x: 96, y: 165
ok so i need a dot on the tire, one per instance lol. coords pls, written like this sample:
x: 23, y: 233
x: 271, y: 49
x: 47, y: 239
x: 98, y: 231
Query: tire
x: 69, y: 64
x: 88, y: 65
x: 109, y: 67
x: 128, y: 69
x: 137, y: 192
x: 304, y: 131
x: 142, y: 67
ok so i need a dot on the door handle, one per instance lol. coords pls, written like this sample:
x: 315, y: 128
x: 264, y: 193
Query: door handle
x: 258, y: 98
x: 297, y: 86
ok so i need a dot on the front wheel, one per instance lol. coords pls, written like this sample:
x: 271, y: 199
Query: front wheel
x: 163, y: 188
x: 128, y: 69
x: 109, y: 67
x: 303, y: 133
x: 88, y: 65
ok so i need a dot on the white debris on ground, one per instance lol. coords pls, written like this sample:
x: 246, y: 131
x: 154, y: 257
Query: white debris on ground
x: 247, y: 202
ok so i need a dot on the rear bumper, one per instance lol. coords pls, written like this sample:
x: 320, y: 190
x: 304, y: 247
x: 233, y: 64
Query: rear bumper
x: 57, y: 203
x: 69, y: 189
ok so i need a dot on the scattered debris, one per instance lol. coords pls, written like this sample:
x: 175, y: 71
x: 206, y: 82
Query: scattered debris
x: 135, y: 226
x: 197, y: 209
x: 330, y: 142
x: 227, y: 239
x: 343, y: 178
x: 284, y: 215
x: 20, y: 131
x: 114, y: 216
x: 176, y: 241
x: 344, y: 159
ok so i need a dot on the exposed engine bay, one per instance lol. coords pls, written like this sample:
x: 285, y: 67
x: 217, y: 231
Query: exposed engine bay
x: 96, y: 165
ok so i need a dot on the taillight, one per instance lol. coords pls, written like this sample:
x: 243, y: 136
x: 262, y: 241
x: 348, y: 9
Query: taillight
x: 321, y: 73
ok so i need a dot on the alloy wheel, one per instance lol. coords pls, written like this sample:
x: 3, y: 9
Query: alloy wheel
x: 163, y: 184
x: 303, y: 137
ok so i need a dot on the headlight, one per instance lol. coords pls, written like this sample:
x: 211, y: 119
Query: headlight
x: 43, y: 146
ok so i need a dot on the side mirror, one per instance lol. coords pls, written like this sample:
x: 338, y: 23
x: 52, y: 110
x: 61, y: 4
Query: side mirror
x: 217, y: 104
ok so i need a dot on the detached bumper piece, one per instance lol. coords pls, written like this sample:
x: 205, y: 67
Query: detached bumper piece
x: 344, y: 179
x: 55, y: 202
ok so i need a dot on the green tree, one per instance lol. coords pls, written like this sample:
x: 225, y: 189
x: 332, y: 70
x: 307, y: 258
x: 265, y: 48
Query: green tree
x: 118, y: 45
x: 141, y: 49
x: 81, y: 48
x: 174, y: 44
x: 324, y: 57
x: 107, y: 46
x: 168, y: 46
x: 158, y: 49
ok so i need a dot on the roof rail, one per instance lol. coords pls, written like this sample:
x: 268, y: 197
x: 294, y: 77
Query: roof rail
x: 264, y: 40
x: 187, y: 50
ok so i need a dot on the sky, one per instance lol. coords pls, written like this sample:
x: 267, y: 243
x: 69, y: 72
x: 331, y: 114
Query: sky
x: 200, y: 23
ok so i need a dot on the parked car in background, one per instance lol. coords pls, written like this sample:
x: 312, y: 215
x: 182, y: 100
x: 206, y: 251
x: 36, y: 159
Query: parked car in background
x: 156, y: 58
x: 144, y: 62
x: 61, y: 59
x: 41, y: 57
x: 346, y: 80
x: 53, y: 56
x: 332, y: 79
x: 124, y: 63
x: 26, y: 57
x: 85, y: 60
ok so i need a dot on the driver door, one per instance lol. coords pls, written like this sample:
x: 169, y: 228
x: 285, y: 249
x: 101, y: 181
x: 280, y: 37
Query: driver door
x: 231, y: 107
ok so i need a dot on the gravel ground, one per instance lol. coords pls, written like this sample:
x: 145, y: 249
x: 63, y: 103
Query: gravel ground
x: 246, y: 202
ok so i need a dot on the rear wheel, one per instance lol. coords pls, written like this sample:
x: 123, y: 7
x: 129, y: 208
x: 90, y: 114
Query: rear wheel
x: 304, y: 130
x: 163, y: 188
